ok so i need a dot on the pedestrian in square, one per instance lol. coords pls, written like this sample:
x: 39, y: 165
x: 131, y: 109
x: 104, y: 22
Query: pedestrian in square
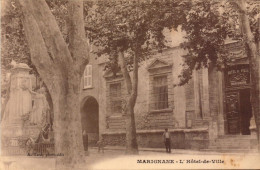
x: 85, y: 140
x: 101, y: 145
x: 167, y: 140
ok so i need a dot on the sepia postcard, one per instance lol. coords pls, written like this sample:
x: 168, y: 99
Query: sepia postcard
x: 130, y: 84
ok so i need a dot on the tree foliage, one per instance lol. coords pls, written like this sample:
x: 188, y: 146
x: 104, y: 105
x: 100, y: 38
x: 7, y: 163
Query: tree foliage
x: 13, y: 46
x: 130, y: 25
x: 207, y: 25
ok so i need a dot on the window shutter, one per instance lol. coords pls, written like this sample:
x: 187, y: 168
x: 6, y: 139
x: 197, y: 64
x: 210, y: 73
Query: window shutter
x: 87, y: 77
x: 89, y: 70
x: 90, y: 76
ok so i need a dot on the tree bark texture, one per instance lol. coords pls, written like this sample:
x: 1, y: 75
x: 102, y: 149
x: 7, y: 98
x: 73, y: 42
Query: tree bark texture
x: 61, y: 70
x: 253, y: 63
x: 131, y: 140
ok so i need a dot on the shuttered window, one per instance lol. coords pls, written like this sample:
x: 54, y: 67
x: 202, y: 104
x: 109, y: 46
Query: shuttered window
x: 88, y: 77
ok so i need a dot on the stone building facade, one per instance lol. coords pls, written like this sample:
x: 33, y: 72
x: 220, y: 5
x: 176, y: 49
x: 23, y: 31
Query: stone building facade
x: 209, y: 112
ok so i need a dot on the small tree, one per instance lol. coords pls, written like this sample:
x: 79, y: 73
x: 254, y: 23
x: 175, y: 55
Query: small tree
x: 127, y: 31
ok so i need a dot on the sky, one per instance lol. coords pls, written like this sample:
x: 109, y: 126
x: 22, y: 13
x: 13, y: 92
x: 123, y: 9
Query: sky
x: 175, y: 37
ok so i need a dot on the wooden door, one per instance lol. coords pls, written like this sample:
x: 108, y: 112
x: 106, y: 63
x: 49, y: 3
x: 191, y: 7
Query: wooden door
x: 233, y: 112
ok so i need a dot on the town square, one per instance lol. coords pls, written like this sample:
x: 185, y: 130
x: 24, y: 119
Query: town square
x: 130, y: 84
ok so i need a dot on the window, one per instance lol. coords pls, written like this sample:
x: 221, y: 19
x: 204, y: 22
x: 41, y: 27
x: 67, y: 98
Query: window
x: 160, y: 92
x: 88, y: 77
x: 115, y: 98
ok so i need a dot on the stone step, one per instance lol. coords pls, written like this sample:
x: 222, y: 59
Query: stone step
x: 233, y: 147
x: 116, y: 120
x: 233, y: 137
x: 116, y: 126
x: 116, y: 117
x: 117, y: 123
x: 161, y: 121
x: 234, y: 141
x: 230, y: 150
x: 238, y: 142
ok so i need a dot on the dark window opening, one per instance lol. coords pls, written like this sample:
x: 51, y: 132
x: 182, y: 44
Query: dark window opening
x: 160, y: 92
x: 115, y: 98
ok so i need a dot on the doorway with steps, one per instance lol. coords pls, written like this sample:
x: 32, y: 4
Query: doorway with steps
x: 238, y: 112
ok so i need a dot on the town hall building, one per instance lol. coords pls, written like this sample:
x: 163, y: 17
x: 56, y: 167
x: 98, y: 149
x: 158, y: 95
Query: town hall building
x: 212, y: 111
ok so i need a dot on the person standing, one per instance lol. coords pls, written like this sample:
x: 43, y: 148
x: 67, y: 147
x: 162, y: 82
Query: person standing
x: 101, y: 145
x: 167, y: 140
x: 85, y: 140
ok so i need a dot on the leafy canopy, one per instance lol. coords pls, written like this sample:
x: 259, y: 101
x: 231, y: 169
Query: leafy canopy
x: 134, y: 27
x: 207, y: 25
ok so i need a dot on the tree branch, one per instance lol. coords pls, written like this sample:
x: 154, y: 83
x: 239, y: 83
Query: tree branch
x: 124, y: 71
x: 235, y: 4
x: 38, y: 51
x: 50, y: 32
x: 77, y: 38
x: 135, y: 74
x: 248, y: 35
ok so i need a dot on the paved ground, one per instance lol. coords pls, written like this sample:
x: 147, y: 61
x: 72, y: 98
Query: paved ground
x: 148, y: 158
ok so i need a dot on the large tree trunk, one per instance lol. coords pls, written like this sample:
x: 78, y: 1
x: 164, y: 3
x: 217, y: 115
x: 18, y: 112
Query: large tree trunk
x: 61, y: 71
x: 131, y: 140
x: 253, y: 62
x: 67, y: 124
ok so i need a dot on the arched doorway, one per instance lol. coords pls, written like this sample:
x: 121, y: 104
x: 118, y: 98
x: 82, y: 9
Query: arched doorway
x: 90, y: 119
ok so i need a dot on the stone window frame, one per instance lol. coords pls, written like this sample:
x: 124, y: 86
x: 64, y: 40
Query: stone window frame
x: 115, y: 97
x: 109, y: 81
x: 163, y: 70
x: 160, y: 92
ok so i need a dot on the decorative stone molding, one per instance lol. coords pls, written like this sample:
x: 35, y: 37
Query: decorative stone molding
x: 158, y: 64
